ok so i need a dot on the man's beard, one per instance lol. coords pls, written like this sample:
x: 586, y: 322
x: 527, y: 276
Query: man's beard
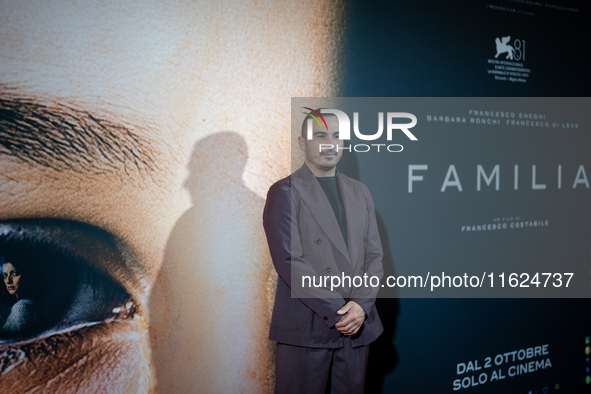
x: 327, y: 166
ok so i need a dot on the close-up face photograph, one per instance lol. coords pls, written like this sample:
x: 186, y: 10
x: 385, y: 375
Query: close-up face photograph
x: 137, y: 141
x: 146, y: 149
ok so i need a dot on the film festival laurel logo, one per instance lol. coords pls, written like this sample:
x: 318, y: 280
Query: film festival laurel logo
x: 511, y: 67
x: 345, y: 129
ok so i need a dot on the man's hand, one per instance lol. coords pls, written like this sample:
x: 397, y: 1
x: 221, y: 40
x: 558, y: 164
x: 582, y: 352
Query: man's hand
x: 353, y: 318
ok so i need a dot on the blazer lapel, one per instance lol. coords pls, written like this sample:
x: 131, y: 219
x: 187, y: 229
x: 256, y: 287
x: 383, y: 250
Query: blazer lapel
x: 318, y: 204
x: 355, y: 209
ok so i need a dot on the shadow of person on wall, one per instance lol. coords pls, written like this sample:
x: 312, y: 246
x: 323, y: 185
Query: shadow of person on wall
x: 211, y: 302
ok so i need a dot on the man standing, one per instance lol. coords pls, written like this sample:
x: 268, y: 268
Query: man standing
x: 321, y: 223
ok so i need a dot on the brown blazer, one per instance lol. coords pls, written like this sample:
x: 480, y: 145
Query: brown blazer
x: 304, y: 239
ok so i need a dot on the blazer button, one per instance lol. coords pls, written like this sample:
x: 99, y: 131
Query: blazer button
x: 362, y: 267
x: 318, y: 241
x: 363, y: 239
x: 328, y: 269
x: 325, y: 317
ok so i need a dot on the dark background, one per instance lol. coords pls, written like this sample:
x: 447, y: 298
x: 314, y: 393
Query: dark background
x: 440, y: 49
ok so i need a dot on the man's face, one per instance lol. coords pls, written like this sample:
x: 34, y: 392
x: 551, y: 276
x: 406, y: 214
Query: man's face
x: 325, y: 149
x: 114, y: 96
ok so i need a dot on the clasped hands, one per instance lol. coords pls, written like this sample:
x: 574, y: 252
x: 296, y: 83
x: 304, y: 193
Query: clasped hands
x: 353, y: 316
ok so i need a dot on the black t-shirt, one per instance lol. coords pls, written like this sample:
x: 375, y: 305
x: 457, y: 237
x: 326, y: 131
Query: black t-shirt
x: 333, y: 193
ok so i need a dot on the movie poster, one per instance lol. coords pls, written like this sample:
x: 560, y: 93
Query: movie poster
x: 138, y: 140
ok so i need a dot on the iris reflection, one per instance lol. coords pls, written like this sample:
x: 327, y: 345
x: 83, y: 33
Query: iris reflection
x: 19, y: 300
x: 38, y: 287
x: 49, y: 287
